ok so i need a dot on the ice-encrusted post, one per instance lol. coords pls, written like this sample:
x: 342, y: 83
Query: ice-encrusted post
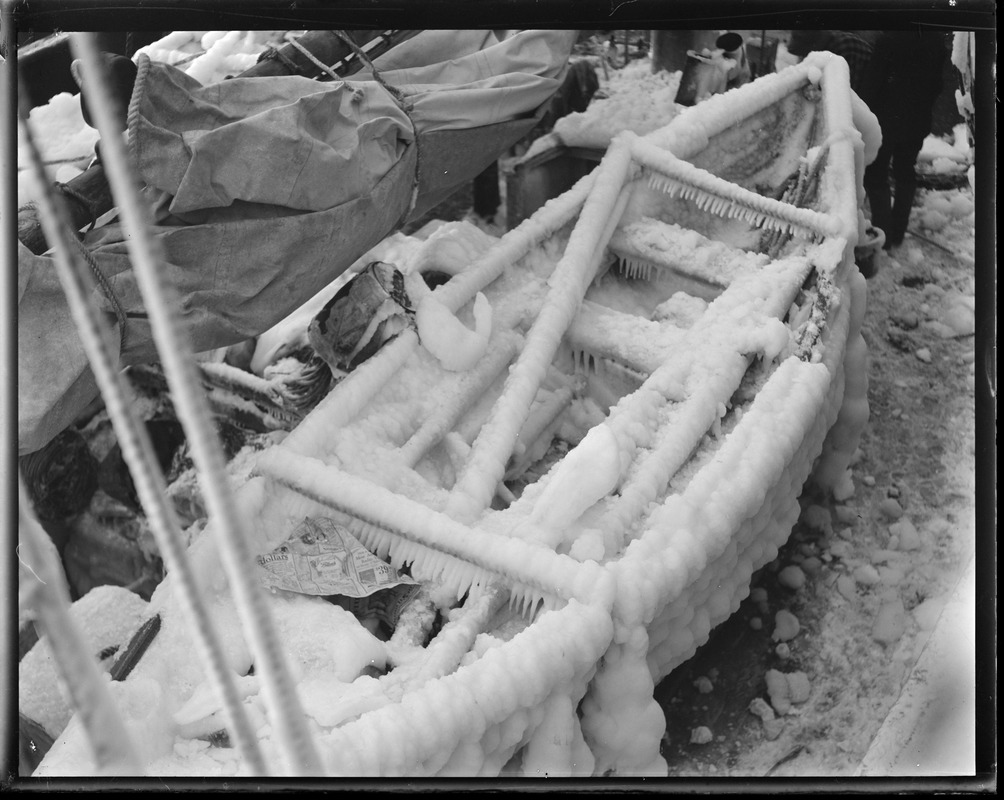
x: 192, y: 408
x: 485, y: 467
x: 844, y: 173
x: 621, y: 720
x: 138, y: 452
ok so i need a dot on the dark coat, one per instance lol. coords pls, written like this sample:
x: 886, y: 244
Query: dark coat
x: 852, y: 48
x: 903, y: 82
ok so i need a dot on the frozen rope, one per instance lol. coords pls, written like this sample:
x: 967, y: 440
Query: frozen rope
x: 286, y: 712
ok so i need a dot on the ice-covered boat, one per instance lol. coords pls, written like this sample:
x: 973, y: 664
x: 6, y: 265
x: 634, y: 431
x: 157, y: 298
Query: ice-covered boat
x: 581, y: 445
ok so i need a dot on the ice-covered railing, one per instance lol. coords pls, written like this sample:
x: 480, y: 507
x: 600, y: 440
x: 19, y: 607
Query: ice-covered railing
x: 471, y: 722
x: 852, y: 137
x: 675, y: 176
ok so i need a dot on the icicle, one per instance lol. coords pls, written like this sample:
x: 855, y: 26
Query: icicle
x: 702, y: 184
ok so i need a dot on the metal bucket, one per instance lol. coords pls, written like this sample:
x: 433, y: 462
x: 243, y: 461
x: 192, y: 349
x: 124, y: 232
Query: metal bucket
x: 866, y: 254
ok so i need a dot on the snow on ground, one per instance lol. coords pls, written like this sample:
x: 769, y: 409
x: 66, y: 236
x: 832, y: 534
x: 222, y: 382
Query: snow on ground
x: 871, y: 578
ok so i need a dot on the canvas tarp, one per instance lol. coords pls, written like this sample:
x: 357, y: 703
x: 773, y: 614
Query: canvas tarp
x: 265, y: 189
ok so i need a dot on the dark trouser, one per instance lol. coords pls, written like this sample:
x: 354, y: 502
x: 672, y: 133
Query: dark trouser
x: 892, y: 214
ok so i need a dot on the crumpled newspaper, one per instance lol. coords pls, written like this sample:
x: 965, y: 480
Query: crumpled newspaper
x: 322, y: 558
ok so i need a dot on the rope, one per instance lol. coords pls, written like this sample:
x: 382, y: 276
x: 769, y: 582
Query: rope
x: 99, y: 276
x: 143, y: 65
x: 312, y: 58
x: 106, y: 289
x: 82, y: 201
x: 402, y: 102
x: 273, y: 54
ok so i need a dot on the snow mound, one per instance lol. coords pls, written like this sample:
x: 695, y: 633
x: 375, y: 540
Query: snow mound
x: 636, y: 100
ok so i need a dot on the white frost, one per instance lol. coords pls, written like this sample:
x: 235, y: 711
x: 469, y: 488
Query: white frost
x: 457, y: 347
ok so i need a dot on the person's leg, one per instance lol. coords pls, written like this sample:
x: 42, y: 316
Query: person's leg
x: 876, y: 183
x: 904, y: 172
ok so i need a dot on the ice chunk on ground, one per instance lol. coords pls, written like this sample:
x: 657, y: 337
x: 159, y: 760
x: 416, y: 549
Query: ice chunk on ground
x: 791, y: 577
x: 907, y: 536
x: 891, y: 622
x: 786, y: 689
x: 891, y: 508
x: 701, y: 735
x: 785, y: 626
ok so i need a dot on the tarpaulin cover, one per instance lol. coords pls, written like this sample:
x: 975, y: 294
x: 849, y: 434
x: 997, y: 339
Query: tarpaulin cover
x: 265, y: 189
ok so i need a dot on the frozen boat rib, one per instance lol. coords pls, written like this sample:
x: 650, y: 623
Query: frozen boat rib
x: 640, y: 344
x: 671, y: 248
x: 485, y: 468
x: 460, y: 393
x: 685, y: 396
x: 444, y: 653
